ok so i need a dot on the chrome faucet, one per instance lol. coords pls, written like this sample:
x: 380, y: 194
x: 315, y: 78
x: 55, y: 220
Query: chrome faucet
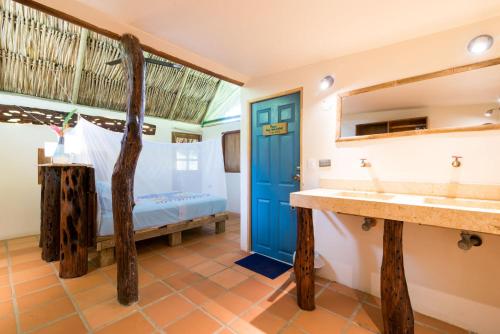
x: 364, y: 163
x: 456, y: 161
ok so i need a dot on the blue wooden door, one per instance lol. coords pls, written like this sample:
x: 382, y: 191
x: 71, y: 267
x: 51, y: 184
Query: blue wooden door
x: 275, y: 162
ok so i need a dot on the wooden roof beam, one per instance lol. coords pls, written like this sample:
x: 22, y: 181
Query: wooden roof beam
x: 179, y: 92
x: 202, y: 118
x: 82, y: 47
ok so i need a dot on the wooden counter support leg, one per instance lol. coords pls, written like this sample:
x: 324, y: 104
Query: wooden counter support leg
x: 304, y: 259
x: 50, y: 213
x: 74, y: 222
x: 397, y: 313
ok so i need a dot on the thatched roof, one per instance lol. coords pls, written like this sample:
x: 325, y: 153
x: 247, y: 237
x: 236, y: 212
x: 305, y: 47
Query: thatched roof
x: 41, y: 55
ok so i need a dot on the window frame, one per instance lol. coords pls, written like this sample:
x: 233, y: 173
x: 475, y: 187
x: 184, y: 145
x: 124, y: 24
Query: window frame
x: 226, y: 169
x: 186, y: 135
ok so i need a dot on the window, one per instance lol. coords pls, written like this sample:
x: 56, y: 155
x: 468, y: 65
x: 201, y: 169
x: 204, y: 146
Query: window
x: 187, y: 160
x: 182, y: 137
x: 231, y: 150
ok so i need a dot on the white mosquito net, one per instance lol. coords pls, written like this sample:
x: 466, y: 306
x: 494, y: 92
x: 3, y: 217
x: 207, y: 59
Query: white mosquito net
x: 173, y: 182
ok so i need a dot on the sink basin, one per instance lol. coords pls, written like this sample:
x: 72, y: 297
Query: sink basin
x: 464, y: 203
x: 366, y: 195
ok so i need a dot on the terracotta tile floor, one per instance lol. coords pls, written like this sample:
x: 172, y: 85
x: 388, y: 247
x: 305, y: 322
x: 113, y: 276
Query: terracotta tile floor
x: 193, y: 288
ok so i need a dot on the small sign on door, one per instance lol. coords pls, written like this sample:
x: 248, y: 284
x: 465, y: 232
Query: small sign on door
x: 275, y: 129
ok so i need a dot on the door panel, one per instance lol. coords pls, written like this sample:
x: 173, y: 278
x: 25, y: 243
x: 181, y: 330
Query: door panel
x: 274, y: 164
x: 263, y: 224
x: 263, y: 175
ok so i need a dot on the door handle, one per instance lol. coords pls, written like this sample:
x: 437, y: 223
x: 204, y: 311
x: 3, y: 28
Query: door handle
x: 296, y: 177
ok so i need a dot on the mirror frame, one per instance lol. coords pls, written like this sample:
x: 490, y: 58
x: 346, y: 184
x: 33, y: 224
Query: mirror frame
x: 408, y: 80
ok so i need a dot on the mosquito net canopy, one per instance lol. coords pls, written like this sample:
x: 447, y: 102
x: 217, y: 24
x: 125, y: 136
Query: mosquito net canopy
x: 173, y: 182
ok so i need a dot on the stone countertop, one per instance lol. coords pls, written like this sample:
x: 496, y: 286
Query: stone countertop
x: 457, y: 213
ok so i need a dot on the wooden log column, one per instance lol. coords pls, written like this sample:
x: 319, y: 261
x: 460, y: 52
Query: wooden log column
x: 76, y: 219
x: 397, y: 313
x: 304, y: 259
x: 50, y: 212
x: 123, y: 174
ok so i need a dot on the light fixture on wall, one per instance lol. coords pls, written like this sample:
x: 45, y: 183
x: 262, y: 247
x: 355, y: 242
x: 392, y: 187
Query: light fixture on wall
x: 326, y: 82
x: 489, y: 112
x: 480, y: 44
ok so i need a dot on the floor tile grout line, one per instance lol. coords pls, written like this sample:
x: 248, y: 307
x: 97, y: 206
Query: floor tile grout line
x: 197, y: 306
x: 73, y: 301
x: 149, y: 320
x: 136, y: 305
x: 119, y: 318
x: 292, y: 319
x: 51, y: 322
x: 257, y: 303
x: 353, y: 316
x: 13, y: 290
x: 37, y: 290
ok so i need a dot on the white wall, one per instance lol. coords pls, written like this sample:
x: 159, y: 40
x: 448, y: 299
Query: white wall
x: 444, y: 282
x: 19, y: 191
x: 232, y: 179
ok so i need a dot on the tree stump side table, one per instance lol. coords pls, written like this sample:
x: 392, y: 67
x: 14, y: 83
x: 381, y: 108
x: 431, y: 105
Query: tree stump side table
x: 68, y: 216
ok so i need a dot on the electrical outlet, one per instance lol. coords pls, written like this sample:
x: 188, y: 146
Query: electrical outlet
x: 325, y: 162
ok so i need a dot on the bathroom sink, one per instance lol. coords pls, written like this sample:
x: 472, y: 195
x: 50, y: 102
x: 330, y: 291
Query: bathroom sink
x: 463, y: 203
x: 366, y: 195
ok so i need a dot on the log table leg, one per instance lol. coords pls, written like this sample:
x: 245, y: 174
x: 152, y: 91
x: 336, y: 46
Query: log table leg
x: 397, y: 313
x: 74, y: 222
x: 304, y: 259
x: 50, y: 214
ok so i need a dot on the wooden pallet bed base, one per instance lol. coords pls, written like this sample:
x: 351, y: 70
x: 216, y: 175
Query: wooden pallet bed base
x: 105, y: 245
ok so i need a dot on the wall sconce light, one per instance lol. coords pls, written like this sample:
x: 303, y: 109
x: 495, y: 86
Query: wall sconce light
x: 326, y: 82
x: 480, y: 44
x: 489, y: 112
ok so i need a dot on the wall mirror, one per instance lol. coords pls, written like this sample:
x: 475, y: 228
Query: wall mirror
x: 465, y: 98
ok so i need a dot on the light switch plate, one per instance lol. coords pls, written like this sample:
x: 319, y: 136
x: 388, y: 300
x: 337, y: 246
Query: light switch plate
x: 312, y: 163
x: 325, y: 162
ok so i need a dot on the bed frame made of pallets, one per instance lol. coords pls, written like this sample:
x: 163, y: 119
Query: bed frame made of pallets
x: 105, y: 245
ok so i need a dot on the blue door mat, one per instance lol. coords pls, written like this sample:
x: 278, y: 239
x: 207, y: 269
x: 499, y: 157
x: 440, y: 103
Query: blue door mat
x: 264, y: 265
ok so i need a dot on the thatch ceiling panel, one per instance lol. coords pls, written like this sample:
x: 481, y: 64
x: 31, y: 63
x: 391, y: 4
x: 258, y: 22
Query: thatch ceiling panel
x: 33, y: 48
x: 102, y: 85
x: 39, y: 55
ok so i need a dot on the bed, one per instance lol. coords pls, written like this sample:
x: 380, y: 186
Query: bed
x: 167, y: 213
x: 176, y: 186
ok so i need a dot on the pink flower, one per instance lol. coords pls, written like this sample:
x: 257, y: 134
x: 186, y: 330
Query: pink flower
x: 57, y: 130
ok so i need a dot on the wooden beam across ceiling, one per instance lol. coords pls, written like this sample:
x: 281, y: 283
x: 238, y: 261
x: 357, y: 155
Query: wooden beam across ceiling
x: 82, y: 47
x: 84, y: 24
x: 211, y: 102
x: 179, y: 92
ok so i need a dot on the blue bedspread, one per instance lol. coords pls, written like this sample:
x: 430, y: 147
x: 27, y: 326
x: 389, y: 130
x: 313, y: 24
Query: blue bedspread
x: 157, y: 210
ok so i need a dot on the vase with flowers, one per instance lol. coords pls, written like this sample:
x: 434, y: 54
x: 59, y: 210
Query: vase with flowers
x: 60, y: 157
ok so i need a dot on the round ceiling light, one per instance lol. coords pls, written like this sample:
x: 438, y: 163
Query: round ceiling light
x: 326, y: 82
x: 480, y: 44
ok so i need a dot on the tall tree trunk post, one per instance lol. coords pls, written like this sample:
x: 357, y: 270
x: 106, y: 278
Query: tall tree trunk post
x: 304, y: 259
x: 124, y: 171
x: 397, y: 313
